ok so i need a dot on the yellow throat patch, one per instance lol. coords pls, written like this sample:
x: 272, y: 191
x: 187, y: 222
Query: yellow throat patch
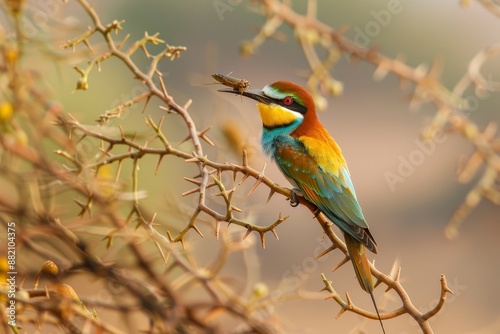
x: 274, y: 115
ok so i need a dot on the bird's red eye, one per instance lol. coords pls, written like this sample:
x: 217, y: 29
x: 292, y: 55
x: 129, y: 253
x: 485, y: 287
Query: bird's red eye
x: 288, y: 100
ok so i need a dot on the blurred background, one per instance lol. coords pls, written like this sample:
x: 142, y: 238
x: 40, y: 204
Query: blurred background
x: 372, y: 121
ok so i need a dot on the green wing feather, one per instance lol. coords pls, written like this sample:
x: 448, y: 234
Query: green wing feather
x: 328, y: 187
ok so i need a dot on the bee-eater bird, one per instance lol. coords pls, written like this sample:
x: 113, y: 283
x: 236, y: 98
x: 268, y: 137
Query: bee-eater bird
x: 313, y: 163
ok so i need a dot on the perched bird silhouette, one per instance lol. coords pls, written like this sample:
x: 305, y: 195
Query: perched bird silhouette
x: 313, y: 163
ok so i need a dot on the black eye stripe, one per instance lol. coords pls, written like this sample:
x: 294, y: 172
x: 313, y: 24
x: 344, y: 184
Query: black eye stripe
x: 294, y: 106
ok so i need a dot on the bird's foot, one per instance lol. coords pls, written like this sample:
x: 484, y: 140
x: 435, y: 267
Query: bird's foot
x: 294, y: 201
x: 316, y: 212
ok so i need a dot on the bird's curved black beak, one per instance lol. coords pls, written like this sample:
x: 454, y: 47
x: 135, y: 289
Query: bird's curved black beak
x: 254, y: 94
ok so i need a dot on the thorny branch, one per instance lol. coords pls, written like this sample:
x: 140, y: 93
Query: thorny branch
x: 42, y: 176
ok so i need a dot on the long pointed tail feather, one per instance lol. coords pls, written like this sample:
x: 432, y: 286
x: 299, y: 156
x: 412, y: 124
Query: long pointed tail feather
x: 362, y: 268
